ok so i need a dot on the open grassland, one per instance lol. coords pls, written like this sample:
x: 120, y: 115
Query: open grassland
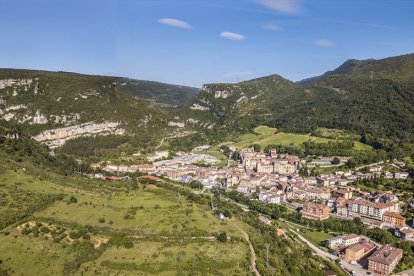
x: 170, y: 258
x: 318, y: 238
x: 168, y: 232
x: 265, y: 136
x: 24, y: 255
x: 146, y: 211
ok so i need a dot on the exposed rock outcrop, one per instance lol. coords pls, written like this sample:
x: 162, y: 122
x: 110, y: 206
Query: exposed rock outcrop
x: 58, y: 137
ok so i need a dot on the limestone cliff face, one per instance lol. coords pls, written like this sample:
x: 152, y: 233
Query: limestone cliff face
x: 58, y: 137
x: 15, y: 82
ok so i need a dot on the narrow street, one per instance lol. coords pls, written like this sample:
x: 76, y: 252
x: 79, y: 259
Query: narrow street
x: 329, y: 257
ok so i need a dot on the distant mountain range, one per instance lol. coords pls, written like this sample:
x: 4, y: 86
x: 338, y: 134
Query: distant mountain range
x: 370, y: 96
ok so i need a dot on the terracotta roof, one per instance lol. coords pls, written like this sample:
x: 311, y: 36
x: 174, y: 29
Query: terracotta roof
x: 362, y: 245
x: 372, y: 204
x: 394, y: 214
x: 151, y: 177
x: 355, y: 247
x: 350, y: 236
x: 386, y: 254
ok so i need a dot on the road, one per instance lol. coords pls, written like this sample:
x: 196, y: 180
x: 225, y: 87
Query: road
x: 329, y: 257
x: 369, y: 165
x: 407, y: 273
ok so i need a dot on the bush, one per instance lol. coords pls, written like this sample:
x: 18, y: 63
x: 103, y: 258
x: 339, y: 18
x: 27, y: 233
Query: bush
x: 101, y: 220
x: 121, y: 239
x: 222, y: 237
x: 74, y: 235
x: 73, y: 199
x: 44, y: 229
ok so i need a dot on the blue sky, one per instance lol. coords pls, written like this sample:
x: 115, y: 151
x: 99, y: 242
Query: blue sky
x: 192, y: 42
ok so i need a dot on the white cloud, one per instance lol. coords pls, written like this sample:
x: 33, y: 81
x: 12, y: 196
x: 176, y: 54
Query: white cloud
x: 232, y: 36
x: 233, y: 75
x: 324, y: 43
x: 172, y: 22
x: 272, y: 27
x: 285, y: 6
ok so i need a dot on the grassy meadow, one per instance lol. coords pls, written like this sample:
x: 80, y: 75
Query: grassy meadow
x: 265, y: 136
x: 166, y: 233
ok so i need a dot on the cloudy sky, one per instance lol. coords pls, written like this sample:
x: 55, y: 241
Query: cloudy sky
x: 192, y: 42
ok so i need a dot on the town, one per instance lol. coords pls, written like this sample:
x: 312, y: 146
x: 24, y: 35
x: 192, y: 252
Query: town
x: 283, y: 179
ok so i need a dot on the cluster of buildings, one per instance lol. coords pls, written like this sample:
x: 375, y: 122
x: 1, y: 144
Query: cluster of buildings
x: 375, y: 258
x: 274, y: 178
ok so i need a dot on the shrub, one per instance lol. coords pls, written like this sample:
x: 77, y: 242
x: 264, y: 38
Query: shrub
x: 73, y: 199
x: 222, y: 237
x: 121, y: 239
x: 74, y: 235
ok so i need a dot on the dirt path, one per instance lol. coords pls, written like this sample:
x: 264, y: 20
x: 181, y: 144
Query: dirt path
x: 252, y: 253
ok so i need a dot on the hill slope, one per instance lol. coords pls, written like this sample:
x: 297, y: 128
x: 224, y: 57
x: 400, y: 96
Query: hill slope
x: 375, y: 97
x: 57, y: 107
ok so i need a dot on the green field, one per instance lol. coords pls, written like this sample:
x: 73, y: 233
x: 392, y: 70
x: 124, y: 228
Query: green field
x: 157, y: 212
x: 265, y: 136
x: 318, y: 238
x: 158, y: 258
x: 169, y: 232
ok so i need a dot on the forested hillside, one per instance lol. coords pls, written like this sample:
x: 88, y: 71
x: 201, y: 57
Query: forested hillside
x: 67, y: 108
x: 373, y: 98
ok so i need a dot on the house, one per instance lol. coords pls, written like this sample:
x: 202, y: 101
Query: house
x: 246, y: 187
x: 99, y: 176
x: 112, y: 178
x: 146, y: 168
x: 202, y: 148
x: 384, y: 260
x: 343, y: 241
x: 335, y: 242
x: 150, y: 178
x: 375, y: 169
x: 125, y: 178
x: 342, y: 210
x: 316, y: 193
x: 350, y: 239
x: 393, y: 219
x: 275, y: 199
x: 347, y: 194
x: 299, y: 194
x: 315, y: 211
x: 358, y: 251
x: 158, y: 155
x: 388, y: 175
x: 310, y: 181
x: 401, y: 175
x: 404, y: 233
x: 370, y: 210
x: 223, y: 217
x: 384, y: 197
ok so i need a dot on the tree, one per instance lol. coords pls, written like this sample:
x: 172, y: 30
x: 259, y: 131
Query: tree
x: 336, y: 161
x: 222, y: 237
x: 276, y: 213
x: 235, y: 156
x: 73, y: 199
x: 256, y: 147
